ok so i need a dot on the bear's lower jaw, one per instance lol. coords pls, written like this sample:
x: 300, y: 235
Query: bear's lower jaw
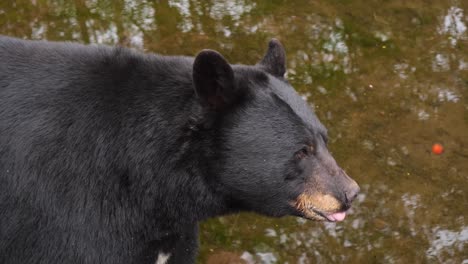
x: 316, y: 215
x: 319, y: 207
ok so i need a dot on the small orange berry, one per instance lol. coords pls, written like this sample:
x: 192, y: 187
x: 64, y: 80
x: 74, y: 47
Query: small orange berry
x: 437, y: 149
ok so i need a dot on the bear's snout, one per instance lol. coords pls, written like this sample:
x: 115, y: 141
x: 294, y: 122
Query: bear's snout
x: 328, y: 194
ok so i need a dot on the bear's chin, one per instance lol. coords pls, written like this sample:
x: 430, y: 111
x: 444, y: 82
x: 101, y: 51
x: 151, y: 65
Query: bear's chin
x: 316, y: 215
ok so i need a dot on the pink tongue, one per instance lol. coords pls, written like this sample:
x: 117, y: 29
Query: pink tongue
x: 337, y: 216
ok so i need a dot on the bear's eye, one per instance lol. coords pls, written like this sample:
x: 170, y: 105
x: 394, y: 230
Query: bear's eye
x: 304, y: 152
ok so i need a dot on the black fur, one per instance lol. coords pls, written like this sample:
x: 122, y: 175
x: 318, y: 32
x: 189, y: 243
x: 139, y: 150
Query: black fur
x: 108, y: 155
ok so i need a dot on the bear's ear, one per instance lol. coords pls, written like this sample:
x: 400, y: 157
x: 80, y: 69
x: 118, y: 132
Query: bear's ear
x: 213, y: 79
x: 274, y: 61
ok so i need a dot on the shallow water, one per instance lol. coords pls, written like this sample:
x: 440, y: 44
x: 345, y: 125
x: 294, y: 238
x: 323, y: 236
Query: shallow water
x: 388, y: 79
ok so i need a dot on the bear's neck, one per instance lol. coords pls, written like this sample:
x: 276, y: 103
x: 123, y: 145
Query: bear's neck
x: 167, y: 154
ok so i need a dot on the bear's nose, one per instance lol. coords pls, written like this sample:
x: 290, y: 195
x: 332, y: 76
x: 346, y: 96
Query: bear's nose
x: 352, y: 192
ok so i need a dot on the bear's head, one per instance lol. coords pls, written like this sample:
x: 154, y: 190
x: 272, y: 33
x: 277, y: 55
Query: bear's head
x: 271, y: 151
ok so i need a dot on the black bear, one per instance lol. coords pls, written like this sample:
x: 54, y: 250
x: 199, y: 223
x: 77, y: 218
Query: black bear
x: 108, y: 155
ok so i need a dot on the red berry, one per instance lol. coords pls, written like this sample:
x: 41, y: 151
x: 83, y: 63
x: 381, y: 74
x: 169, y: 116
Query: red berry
x: 437, y: 149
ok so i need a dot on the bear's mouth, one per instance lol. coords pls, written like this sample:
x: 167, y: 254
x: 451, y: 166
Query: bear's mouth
x: 317, y: 215
x: 320, y: 207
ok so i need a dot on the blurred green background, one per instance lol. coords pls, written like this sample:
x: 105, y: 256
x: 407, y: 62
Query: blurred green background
x: 388, y: 78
